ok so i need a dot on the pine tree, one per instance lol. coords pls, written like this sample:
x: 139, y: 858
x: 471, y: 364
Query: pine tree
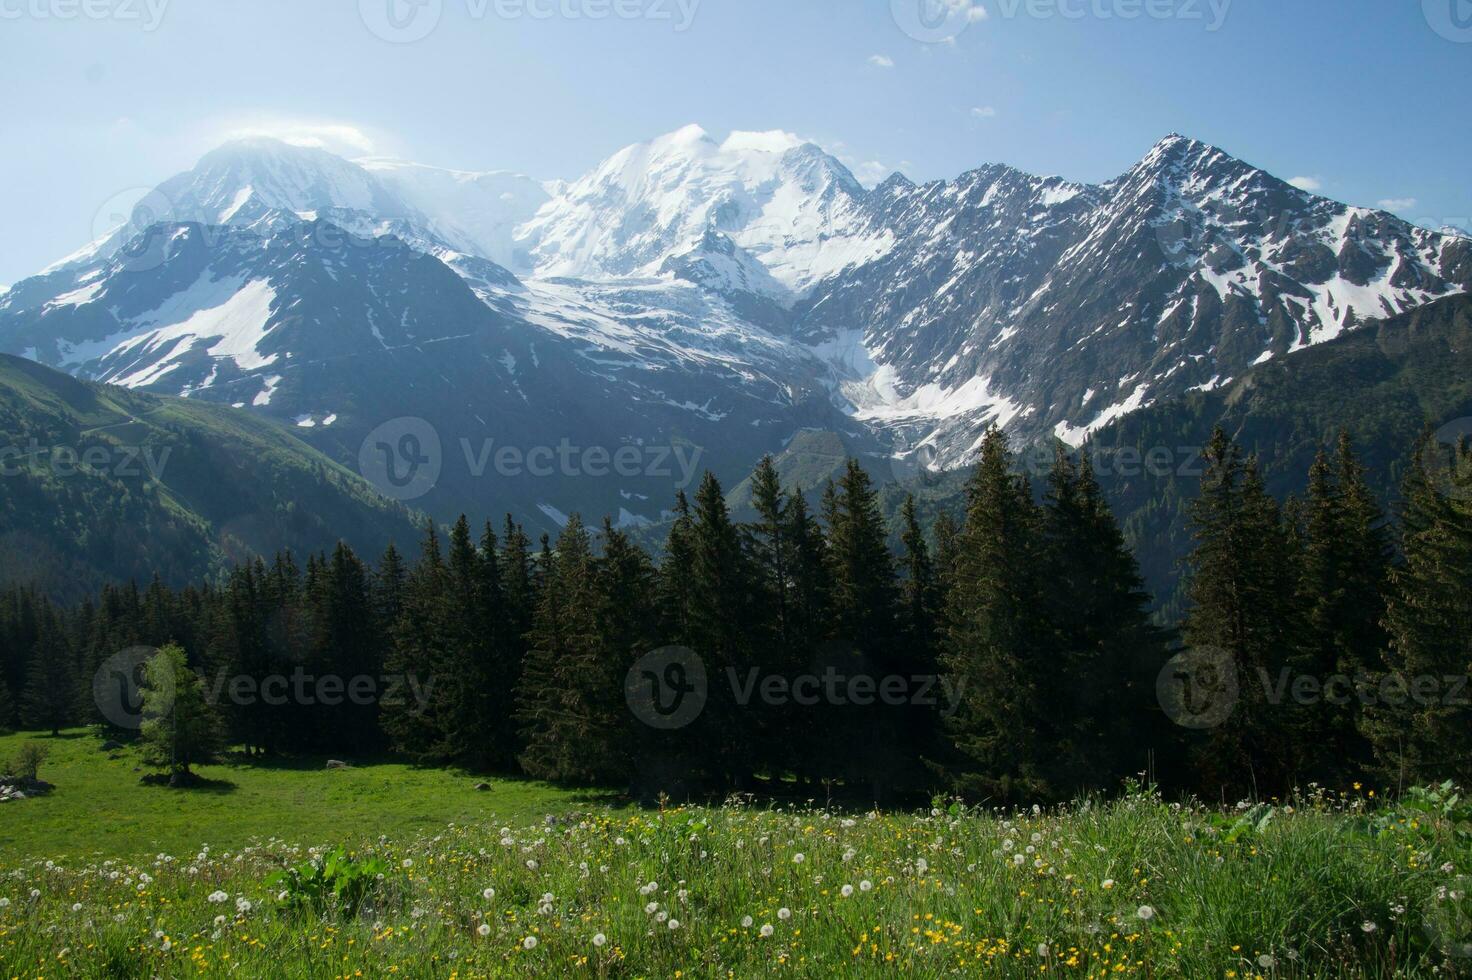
x: 1420, y: 720
x: 420, y: 722
x: 1346, y: 569
x: 769, y: 542
x: 49, y: 700
x: 871, y: 744
x: 993, y: 648
x: 181, y: 729
x: 770, y: 549
x: 562, y: 684
x: 7, y: 707
x: 719, y: 615
x: 1243, y: 588
x: 921, y: 591
x: 675, y: 575
x: 345, y: 645
x: 1107, y: 651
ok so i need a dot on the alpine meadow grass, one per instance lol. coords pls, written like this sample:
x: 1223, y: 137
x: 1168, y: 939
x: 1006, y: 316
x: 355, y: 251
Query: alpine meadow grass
x: 1326, y: 885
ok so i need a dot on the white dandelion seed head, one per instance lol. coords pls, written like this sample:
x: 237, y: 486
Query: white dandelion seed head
x: 600, y: 940
x: 1145, y: 912
x: 530, y: 942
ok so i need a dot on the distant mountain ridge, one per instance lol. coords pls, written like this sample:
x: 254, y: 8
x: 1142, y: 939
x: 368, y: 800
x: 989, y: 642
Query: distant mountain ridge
x: 102, y: 484
x: 722, y: 294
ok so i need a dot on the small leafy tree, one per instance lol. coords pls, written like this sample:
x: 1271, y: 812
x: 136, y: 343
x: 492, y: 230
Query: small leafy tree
x: 180, y: 728
x: 26, y: 766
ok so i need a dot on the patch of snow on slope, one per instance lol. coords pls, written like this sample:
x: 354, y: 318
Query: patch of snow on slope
x: 232, y: 314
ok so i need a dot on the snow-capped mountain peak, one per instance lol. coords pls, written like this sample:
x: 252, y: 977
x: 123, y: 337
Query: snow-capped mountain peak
x: 776, y: 196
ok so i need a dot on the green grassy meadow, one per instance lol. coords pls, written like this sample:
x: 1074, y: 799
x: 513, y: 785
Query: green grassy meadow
x: 109, y: 878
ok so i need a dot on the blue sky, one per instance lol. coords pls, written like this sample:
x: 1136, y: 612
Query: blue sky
x: 1367, y: 100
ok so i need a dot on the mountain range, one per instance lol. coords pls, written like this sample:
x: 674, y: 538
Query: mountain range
x: 482, y: 342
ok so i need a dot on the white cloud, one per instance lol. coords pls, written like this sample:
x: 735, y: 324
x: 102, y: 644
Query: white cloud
x: 336, y: 137
x: 1396, y: 203
x: 1307, y: 183
x: 881, y: 61
x: 973, y: 9
x: 984, y: 112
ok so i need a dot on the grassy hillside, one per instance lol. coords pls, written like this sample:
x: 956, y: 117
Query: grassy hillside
x: 1329, y: 886
x: 99, y: 808
x: 102, y: 483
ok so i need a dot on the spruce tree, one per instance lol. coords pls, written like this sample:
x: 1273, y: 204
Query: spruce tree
x: 719, y: 616
x: 1420, y: 720
x: 1107, y: 651
x: 49, y: 700
x: 559, y: 698
x: 993, y: 648
x: 7, y: 707
x: 181, y: 729
x: 1243, y: 588
x: 420, y: 722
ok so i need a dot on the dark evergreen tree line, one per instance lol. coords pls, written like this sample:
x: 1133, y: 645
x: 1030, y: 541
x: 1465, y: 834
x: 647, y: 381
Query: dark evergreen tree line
x: 1017, y: 643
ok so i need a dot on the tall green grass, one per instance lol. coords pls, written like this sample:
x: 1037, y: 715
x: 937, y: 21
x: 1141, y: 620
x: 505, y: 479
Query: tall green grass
x: 1331, y: 885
